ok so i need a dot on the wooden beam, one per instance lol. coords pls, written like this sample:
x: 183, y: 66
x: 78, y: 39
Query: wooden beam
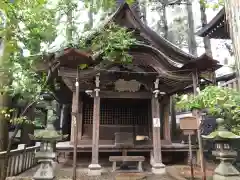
x: 132, y: 95
x: 71, y: 73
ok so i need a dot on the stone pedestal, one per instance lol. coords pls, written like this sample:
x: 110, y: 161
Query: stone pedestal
x: 223, y: 139
x: 226, y: 171
x: 94, y: 170
x: 158, y: 168
x: 47, y: 166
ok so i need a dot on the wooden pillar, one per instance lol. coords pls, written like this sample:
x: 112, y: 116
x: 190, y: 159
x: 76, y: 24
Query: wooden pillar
x: 66, y: 120
x: 174, y: 133
x: 76, y: 105
x: 94, y: 167
x: 157, y: 166
x: 80, y: 119
x: 167, y: 131
x: 74, y: 109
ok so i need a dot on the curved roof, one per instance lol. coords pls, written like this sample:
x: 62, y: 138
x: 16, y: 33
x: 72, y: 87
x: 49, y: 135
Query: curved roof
x: 216, y: 28
x: 148, y: 62
x: 125, y: 16
x: 154, y: 56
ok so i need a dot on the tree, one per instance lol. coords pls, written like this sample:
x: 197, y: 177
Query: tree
x: 143, y: 7
x: 232, y: 9
x: 192, y: 45
x: 28, y: 24
x: 178, y: 32
x: 206, y: 40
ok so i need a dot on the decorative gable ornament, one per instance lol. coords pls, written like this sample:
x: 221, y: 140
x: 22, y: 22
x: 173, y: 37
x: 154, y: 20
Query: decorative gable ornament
x: 127, y: 86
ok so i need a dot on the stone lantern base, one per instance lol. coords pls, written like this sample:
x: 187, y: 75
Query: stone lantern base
x: 46, y: 170
x: 226, y: 171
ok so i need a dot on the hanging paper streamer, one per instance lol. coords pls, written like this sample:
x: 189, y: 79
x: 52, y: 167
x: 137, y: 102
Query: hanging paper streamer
x: 156, y: 122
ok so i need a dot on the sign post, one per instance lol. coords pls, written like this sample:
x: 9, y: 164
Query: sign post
x: 189, y: 125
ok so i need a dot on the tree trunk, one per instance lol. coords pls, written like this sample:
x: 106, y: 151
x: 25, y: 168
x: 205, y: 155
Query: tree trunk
x: 90, y: 18
x: 206, y: 40
x: 164, y: 21
x: 162, y: 25
x: 192, y: 44
x: 69, y: 29
x: 144, y: 11
x: 232, y: 8
x: 4, y: 99
x: 28, y: 128
x: 4, y: 103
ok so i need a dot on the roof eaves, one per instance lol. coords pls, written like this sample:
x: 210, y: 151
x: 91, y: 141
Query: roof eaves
x: 158, y: 37
x: 204, y: 30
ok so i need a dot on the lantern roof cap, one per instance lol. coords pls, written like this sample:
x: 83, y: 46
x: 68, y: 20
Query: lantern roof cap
x: 221, y: 133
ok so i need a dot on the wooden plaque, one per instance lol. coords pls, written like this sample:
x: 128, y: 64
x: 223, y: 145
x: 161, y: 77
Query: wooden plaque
x: 188, y: 123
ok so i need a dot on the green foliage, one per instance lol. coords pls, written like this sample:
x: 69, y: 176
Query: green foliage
x: 112, y: 43
x: 8, y: 115
x: 104, y: 5
x: 29, y: 23
x: 220, y: 102
x: 215, y: 5
x: 188, y: 102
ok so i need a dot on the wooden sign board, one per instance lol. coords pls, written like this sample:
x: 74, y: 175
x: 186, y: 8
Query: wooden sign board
x: 188, y: 123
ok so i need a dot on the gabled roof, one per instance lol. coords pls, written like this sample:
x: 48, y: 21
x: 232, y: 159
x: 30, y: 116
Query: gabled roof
x: 153, y: 55
x: 216, y: 28
x: 125, y: 16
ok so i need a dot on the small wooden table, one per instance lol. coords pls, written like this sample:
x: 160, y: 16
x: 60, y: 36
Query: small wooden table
x: 116, y: 159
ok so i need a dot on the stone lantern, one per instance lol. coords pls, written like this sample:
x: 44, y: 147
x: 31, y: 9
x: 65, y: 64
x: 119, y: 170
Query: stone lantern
x: 223, y: 138
x: 46, y: 156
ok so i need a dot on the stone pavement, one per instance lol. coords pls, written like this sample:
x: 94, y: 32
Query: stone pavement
x: 65, y: 173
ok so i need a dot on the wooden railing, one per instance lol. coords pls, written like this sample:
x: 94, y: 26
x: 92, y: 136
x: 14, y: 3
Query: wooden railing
x: 233, y: 83
x: 20, y: 160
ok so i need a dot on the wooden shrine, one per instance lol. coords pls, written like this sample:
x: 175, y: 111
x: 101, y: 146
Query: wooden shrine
x: 119, y: 103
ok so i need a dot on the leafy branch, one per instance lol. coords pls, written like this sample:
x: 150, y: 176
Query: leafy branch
x: 219, y: 102
x: 113, y: 43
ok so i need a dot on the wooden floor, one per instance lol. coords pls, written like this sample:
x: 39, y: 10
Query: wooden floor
x: 109, y: 146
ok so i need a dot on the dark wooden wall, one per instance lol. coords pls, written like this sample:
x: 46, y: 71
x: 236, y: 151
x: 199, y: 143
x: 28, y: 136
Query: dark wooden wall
x: 117, y: 115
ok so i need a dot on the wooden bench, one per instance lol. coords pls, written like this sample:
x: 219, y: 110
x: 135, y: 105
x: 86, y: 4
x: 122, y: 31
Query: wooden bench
x: 116, y: 159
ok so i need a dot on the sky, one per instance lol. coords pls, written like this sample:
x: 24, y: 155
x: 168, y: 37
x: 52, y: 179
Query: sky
x: 219, y: 53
